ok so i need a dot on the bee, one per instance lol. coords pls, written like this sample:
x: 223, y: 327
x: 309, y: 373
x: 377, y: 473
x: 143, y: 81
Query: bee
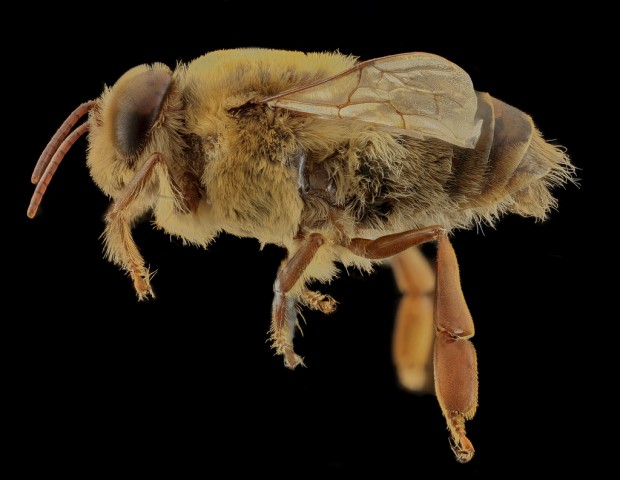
x: 341, y: 163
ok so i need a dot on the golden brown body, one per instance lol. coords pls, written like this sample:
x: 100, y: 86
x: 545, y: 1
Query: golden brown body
x: 333, y: 160
x: 248, y: 160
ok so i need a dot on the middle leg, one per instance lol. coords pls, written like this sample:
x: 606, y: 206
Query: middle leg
x: 284, y: 309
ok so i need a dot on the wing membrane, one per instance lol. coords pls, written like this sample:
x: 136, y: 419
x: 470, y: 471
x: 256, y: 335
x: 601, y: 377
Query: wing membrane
x: 419, y: 94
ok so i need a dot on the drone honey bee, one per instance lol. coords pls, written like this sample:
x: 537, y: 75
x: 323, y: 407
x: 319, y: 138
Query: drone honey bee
x: 335, y: 160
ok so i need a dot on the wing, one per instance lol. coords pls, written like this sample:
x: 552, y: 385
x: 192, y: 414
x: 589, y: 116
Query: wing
x: 419, y: 94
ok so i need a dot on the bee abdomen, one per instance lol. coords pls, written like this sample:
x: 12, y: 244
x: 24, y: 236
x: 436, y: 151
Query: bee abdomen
x: 511, y: 168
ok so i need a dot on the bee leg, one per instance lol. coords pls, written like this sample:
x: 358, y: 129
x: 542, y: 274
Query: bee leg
x: 456, y: 367
x: 191, y: 192
x: 456, y: 370
x: 412, y: 346
x: 284, y: 309
x: 390, y: 245
x: 119, y: 245
x: 318, y: 301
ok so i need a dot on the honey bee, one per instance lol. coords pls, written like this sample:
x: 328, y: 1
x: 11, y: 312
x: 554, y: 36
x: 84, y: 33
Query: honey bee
x: 335, y: 160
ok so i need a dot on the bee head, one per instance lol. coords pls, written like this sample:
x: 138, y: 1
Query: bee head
x: 133, y: 106
x: 121, y: 124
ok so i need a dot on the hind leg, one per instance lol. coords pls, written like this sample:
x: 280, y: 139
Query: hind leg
x: 455, y: 364
x: 414, y: 332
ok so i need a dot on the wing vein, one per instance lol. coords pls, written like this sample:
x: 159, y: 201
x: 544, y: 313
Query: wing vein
x: 419, y: 94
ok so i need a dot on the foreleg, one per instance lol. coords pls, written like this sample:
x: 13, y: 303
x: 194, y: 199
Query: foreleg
x: 119, y: 245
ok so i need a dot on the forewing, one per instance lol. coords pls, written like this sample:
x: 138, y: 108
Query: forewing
x: 419, y: 94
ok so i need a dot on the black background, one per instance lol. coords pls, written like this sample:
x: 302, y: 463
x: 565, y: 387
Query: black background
x: 188, y: 379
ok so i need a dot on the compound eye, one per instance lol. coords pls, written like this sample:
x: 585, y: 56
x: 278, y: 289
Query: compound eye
x: 139, y: 105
